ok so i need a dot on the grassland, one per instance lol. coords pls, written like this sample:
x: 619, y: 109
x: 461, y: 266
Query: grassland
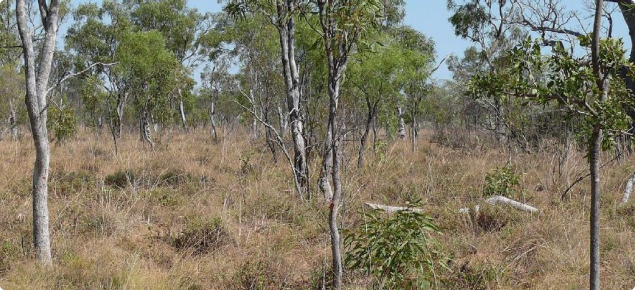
x: 196, y: 214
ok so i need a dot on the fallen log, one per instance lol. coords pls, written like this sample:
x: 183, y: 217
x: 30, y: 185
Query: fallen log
x: 510, y: 202
x: 392, y: 209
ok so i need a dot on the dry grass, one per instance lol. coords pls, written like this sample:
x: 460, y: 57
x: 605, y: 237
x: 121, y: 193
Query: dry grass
x: 195, y: 214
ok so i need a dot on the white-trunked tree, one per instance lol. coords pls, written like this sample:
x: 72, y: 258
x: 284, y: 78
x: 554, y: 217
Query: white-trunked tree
x: 37, y: 71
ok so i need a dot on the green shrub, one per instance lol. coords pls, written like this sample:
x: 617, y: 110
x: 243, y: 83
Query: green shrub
x: 63, y: 123
x: 120, y: 179
x: 397, y: 250
x: 175, y: 177
x: 502, y: 181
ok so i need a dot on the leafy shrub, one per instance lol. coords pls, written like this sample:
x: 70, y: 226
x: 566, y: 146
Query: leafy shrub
x: 120, y: 179
x: 502, y: 181
x: 397, y: 250
x: 202, y: 236
x: 63, y: 123
x: 175, y: 177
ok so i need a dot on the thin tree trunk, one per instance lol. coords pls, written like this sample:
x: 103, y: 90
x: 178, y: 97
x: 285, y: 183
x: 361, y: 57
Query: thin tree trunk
x: 36, y: 92
x: 594, y: 162
x: 402, y: 124
x: 212, y: 120
x: 286, y: 32
x: 182, y: 111
x: 13, y: 121
x: 369, y: 121
x: 595, y: 146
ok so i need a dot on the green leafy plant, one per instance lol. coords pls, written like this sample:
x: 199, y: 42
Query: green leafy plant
x: 397, y: 249
x: 63, y: 123
x: 502, y: 181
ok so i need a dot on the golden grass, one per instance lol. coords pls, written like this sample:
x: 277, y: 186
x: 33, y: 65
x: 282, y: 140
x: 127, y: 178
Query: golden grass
x: 106, y: 237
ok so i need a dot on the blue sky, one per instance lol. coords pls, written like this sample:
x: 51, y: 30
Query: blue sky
x: 431, y: 18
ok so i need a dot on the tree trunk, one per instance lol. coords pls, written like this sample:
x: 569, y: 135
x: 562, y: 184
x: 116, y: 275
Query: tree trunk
x: 121, y: 103
x: 36, y: 102
x: 283, y: 121
x: 628, y: 189
x: 336, y: 199
x: 327, y: 164
x: 286, y: 32
x: 402, y: 124
x: 212, y: 120
x: 594, y: 162
x: 372, y: 111
x: 182, y: 111
x: 595, y: 146
x: 13, y: 121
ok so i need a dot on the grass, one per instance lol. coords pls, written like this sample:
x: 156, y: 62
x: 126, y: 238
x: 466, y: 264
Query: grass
x: 196, y: 214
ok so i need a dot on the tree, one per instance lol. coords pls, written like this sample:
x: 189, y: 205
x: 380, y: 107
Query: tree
x: 282, y: 14
x: 181, y: 28
x: 342, y: 24
x: 37, y: 71
x: 147, y: 68
x: 589, y: 88
x: 94, y: 40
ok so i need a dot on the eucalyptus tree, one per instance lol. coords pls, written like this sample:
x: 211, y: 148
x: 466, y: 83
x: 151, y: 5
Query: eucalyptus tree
x: 493, y: 28
x: 181, y: 27
x: 283, y: 14
x: 148, y: 68
x: 413, y: 76
x: 382, y: 74
x: 342, y: 24
x: 95, y: 36
x: 37, y: 70
x: 216, y: 81
x: 586, y: 86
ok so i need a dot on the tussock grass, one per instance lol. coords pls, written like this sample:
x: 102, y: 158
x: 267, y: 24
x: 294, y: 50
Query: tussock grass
x: 197, y: 214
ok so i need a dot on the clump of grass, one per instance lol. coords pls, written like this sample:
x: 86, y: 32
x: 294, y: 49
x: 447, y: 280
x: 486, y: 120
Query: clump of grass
x: 66, y: 183
x: 474, y: 276
x: 121, y: 178
x: 175, y: 177
x: 202, y: 236
x: 493, y: 218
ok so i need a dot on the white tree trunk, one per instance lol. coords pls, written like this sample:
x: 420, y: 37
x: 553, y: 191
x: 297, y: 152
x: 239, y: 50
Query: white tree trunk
x: 36, y: 92
x: 628, y: 189
x: 402, y: 124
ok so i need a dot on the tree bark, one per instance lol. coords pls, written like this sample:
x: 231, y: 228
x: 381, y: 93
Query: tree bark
x: 372, y: 112
x: 37, y: 72
x: 402, y: 124
x: 13, y: 121
x: 595, y: 146
x: 594, y: 163
x: 286, y: 32
x: 212, y: 120
x: 628, y: 189
x: 182, y: 112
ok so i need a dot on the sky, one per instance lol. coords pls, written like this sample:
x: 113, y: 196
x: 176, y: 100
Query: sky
x: 430, y: 17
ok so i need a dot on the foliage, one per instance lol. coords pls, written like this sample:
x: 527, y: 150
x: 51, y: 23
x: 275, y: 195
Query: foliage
x: 120, y: 179
x: 397, y: 250
x: 63, y: 123
x: 567, y: 80
x: 502, y: 181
